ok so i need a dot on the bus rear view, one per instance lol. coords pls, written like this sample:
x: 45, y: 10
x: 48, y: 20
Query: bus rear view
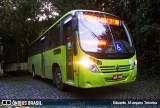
x: 105, y: 50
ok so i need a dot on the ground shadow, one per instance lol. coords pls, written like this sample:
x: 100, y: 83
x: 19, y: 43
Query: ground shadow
x: 81, y: 93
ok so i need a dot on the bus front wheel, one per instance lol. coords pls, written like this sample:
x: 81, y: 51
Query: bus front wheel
x: 58, y: 79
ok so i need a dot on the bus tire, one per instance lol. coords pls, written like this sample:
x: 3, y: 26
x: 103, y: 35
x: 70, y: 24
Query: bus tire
x: 53, y: 77
x: 33, y: 72
x: 58, y: 79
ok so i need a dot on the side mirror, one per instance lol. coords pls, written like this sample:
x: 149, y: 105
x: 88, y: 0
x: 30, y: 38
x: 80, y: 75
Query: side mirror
x: 74, y: 23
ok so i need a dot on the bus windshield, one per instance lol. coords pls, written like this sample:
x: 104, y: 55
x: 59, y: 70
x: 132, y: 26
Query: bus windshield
x: 99, y: 33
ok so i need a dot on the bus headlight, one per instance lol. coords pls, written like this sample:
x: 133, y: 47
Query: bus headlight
x: 134, y: 64
x: 86, y: 62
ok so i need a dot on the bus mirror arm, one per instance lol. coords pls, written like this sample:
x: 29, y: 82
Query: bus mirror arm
x: 74, y: 43
x: 74, y: 29
x: 74, y: 23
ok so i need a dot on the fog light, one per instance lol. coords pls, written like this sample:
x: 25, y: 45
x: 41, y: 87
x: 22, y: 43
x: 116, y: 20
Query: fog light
x: 134, y: 64
x: 93, y: 68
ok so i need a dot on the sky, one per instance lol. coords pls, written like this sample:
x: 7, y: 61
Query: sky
x: 47, y: 6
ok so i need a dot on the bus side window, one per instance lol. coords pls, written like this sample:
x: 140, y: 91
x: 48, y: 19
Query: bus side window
x: 37, y: 47
x: 54, y: 38
x: 47, y: 40
x: 42, y: 42
x: 34, y: 49
x: 31, y: 50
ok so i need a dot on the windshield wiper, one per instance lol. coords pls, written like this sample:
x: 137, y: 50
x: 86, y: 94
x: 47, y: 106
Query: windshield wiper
x: 89, y: 30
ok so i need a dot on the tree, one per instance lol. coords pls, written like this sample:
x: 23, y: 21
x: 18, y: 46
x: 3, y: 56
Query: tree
x: 15, y: 28
x: 20, y: 21
x: 63, y: 6
x: 145, y: 23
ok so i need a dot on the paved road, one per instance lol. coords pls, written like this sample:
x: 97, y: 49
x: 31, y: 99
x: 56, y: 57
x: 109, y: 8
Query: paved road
x: 24, y: 87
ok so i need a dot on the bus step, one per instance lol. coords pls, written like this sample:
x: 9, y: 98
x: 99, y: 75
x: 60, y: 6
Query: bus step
x: 43, y: 76
x: 70, y: 83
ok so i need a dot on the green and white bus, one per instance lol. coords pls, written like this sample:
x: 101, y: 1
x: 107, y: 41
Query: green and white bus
x: 86, y: 49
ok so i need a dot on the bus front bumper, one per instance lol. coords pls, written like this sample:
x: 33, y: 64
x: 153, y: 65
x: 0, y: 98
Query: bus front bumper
x: 88, y: 79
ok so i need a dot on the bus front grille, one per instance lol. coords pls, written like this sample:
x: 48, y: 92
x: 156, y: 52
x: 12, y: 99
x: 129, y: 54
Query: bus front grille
x: 117, y: 68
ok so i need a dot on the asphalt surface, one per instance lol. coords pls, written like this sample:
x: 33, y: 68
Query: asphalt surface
x: 23, y: 86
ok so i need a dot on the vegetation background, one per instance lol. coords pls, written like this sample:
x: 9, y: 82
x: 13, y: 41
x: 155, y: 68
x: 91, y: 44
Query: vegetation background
x: 21, y: 21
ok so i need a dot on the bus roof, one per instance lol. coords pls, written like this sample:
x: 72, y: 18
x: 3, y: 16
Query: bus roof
x: 68, y: 13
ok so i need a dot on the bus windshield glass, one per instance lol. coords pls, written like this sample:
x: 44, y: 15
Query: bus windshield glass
x: 101, y: 33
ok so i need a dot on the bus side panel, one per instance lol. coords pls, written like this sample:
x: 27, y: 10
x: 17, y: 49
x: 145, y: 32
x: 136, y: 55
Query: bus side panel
x: 36, y: 61
x: 49, y: 59
x: 56, y: 55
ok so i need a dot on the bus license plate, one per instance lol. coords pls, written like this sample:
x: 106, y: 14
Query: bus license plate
x: 116, y: 77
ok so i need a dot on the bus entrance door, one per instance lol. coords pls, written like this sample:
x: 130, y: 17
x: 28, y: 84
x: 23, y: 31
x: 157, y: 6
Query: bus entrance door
x: 69, y: 51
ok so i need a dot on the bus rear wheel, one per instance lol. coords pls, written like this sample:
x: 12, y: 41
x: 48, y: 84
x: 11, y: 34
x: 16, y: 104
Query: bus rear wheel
x: 58, y: 79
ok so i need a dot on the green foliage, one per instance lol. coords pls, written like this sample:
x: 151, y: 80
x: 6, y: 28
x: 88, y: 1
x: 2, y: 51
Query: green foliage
x: 19, y: 22
x: 63, y: 6
x: 15, y: 16
x: 15, y: 28
x: 145, y: 24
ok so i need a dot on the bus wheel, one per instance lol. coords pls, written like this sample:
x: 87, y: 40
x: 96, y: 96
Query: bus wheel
x: 58, y: 79
x: 33, y: 72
